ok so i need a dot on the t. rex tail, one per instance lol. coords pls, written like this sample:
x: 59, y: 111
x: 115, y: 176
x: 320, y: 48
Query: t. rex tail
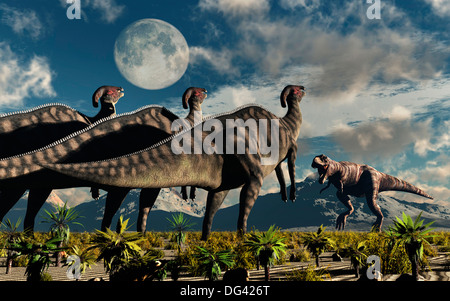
x: 392, y: 183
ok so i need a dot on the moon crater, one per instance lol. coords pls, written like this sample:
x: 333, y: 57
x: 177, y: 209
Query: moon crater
x: 151, y: 54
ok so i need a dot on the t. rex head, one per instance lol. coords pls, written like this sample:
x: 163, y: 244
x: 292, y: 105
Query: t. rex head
x: 322, y: 163
x: 107, y: 94
x: 291, y: 93
x: 193, y: 94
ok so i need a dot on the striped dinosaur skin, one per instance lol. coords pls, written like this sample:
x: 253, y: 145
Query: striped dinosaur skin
x: 26, y: 130
x: 159, y: 167
x: 359, y: 180
x: 96, y: 142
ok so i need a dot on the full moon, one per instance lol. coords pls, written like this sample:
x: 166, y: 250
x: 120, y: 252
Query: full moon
x: 151, y: 54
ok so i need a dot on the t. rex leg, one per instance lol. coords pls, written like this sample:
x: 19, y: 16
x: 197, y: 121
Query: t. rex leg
x: 147, y: 199
x: 36, y: 198
x: 342, y: 218
x: 8, y: 198
x: 371, y: 199
x: 114, y: 199
x: 280, y: 176
x: 292, y: 156
x: 213, y: 202
x: 247, y: 198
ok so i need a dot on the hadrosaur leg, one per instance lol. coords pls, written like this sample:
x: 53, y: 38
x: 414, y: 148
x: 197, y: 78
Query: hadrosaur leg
x: 247, y: 198
x: 113, y: 201
x: 292, y: 156
x: 147, y: 199
x: 282, y: 182
x: 213, y: 203
x: 36, y: 198
x: 8, y: 198
x: 342, y: 218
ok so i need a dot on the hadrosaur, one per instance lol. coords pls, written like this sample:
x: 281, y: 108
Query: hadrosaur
x: 23, y: 131
x: 359, y: 180
x: 218, y: 172
x: 111, y: 137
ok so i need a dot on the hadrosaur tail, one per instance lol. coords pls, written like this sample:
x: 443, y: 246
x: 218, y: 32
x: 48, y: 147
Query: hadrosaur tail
x: 389, y: 182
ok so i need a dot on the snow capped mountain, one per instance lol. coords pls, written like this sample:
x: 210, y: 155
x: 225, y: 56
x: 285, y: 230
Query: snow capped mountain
x: 310, y: 210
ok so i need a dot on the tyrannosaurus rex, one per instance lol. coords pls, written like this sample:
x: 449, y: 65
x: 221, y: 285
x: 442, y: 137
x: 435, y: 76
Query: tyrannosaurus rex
x: 359, y: 180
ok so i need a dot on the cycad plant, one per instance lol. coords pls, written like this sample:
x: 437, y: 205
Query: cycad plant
x: 210, y: 262
x: 86, y: 258
x: 11, y: 235
x: 38, y: 255
x: 317, y: 242
x: 179, y: 224
x: 117, y: 247
x: 60, y: 221
x: 412, y: 235
x: 357, y: 255
x: 267, y: 247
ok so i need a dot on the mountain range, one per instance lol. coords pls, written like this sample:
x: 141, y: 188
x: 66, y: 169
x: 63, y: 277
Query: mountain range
x: 309, y: 211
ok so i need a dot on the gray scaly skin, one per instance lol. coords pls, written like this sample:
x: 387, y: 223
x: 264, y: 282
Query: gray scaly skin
x: 26, y: 130
x: 359, y: 180
x: 107, y: 138
x: 158, y: 166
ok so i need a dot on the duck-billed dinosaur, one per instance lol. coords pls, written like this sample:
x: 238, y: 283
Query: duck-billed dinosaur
x: 24, y: 131
x: 158, y: 166
x: 359, y: 180
x: 107, y: 138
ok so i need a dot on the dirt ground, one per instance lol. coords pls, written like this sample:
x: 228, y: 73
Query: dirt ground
x: 338, y: 270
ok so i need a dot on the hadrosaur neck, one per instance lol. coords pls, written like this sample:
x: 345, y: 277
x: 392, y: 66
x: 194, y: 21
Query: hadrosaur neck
x: 107, y: 110
x: 293, y: 118
x: 195, y: 114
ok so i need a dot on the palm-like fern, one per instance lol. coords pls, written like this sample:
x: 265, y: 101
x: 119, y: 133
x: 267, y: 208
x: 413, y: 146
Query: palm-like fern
x: 210, y: 262
x: 117, y: 247
x: 317, y: 242
x: 267, y: 247
x: 412, y: 236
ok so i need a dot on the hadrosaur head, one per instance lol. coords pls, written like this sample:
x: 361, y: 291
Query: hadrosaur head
x: 107, y: 94
x: 291, y: 92
x: 194, y: 94
x: 322, y: 163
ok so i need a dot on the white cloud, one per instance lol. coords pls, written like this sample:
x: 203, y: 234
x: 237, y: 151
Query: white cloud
x: 220, y: 61
x: 109, y: 10
x: 309, y: 5
x: 20, y: 79
x: 23, y: 22
x: 236, y: 8
x: 383, y: 138
x: 345, y: 64
x: 440, y: 7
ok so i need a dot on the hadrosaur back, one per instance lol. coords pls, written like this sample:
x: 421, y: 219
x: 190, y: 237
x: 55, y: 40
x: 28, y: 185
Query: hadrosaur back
x: 110, y: 137
x: 24, y: 131
x: 157, y: 166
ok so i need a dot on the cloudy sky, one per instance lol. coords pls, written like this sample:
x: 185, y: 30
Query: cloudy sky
x: 378, y: 89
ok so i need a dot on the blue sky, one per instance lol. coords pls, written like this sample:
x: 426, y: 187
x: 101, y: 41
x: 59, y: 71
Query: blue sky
x: 378, y: 89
